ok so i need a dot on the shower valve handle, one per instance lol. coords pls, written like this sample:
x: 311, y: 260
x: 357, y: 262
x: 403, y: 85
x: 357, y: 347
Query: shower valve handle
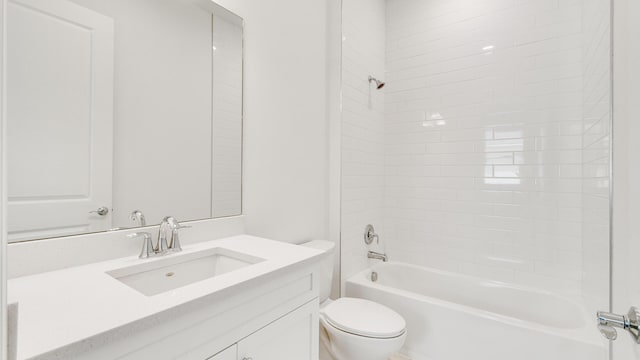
x: 608, y: 322
x: 370, y: 235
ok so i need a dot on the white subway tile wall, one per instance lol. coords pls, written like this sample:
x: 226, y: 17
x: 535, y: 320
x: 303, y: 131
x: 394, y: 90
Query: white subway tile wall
x: 484, y: 148
x: 363, y: 52
x: 484, y: 137
x: 596, y: 152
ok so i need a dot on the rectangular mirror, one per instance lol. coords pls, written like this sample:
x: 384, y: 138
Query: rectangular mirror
x: 121, y: 112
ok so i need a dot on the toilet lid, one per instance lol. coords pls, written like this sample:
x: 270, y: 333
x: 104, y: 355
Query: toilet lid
x: 365, y: 318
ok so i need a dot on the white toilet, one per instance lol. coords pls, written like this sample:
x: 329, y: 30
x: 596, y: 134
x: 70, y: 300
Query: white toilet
x: 351, y: 328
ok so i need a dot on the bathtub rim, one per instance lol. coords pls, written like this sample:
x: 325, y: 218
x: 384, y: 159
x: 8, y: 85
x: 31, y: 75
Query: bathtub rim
x: 586, y: 333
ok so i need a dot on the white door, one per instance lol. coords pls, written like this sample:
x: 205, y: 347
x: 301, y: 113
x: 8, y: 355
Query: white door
x: 292, y: 337
x: 59, y: 118
x: 626, y: 184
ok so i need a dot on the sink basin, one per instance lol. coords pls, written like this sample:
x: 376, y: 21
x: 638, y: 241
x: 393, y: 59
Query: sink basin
x: 175, y: 271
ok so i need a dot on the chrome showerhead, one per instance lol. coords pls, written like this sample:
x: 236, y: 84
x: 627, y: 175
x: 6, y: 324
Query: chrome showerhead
x: 379, y: 84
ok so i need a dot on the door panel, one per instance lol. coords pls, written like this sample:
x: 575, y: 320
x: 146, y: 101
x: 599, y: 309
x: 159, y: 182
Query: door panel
x: 57, y: 174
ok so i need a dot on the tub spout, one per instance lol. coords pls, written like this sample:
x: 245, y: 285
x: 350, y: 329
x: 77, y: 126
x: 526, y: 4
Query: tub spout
x: 378, y: 256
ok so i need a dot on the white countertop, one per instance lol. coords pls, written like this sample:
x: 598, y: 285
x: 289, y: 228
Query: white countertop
x: 64, y: 307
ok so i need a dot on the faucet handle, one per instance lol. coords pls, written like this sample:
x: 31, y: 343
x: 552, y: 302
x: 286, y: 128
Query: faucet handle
x: 147, y: 245
x: 164, y: 230
x: 175, y: 239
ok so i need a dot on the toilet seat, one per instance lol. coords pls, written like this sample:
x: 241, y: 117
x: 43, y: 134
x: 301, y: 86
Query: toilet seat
x: 364, y: 318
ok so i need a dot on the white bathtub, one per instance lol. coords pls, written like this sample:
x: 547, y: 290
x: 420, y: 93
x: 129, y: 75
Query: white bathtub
x: 455, y: 317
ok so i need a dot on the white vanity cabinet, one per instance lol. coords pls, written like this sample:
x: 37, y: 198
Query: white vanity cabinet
x: 265, y: 310
x: 276, y: 319
x: 294, y: 336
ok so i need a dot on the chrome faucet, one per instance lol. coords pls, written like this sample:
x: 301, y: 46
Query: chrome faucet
x: 377, y: 256
x: 168, y: 239
x: 607, y: 322
x: 163, y: 231
x: 168, y: 236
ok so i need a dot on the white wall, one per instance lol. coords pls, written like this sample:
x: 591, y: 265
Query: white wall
x: 484, y: 125
x: 285, y: 190
x: 362, y: 129
x: 596, y: 151
x: 334, y: 101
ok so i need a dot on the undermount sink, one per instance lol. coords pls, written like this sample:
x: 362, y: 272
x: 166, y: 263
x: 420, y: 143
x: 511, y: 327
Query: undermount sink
x: 175, y: 271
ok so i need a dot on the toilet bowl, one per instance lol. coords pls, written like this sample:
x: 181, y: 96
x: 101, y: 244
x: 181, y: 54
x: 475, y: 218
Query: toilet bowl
x: 359, y: 329
x: 352, y: 328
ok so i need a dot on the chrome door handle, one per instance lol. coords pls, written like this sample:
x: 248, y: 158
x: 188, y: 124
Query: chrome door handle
x: 102, y: 211
x: 608, y: 322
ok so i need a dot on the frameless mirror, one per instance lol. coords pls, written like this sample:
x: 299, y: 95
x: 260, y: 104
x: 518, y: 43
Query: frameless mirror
x: 121, y: 112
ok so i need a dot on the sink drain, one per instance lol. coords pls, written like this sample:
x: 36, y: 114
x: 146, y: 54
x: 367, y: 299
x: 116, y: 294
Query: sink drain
x: 169, y: 274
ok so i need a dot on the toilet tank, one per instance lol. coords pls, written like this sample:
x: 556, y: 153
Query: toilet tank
x: 326, y: 275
